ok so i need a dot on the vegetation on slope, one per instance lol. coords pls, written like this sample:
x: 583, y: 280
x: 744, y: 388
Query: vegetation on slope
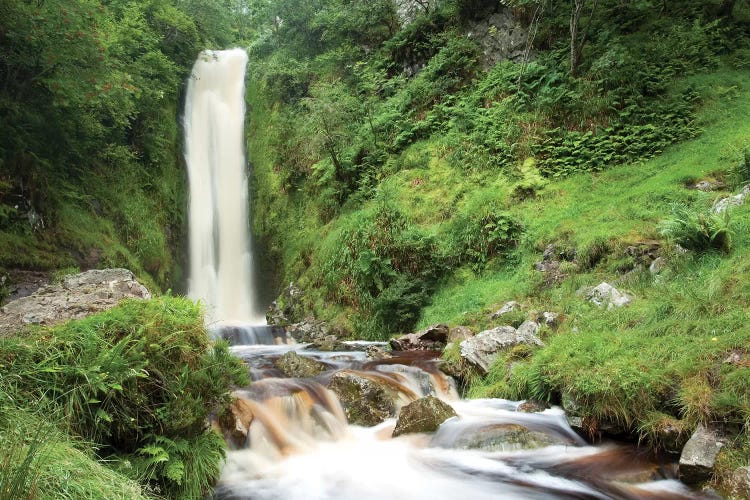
x: 124, y: 394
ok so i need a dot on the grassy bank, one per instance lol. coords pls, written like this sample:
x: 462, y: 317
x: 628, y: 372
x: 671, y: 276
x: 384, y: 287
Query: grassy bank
x: 115, y: 405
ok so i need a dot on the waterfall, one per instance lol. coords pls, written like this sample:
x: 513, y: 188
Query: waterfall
x: 221, y: 273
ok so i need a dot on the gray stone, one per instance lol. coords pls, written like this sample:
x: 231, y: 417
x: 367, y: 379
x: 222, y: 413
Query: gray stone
x: 699, y: 455
x: 431, y: 338
x: 296, y: 366
x: 77, y: 296
x: 310, y: 330
x: 423, y: 415
x: 365, y: 401
x: 507, y: 308
x: 532, y: 406
x: 551, y: 319
x: 723, y: 204
x: 605, y: 294
x: 288, y: 308
x: 484, y: 348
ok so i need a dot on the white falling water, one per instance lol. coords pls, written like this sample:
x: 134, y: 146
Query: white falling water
x: 220, y: 257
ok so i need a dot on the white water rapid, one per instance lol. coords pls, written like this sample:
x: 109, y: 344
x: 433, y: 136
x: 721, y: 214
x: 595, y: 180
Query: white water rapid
x: 221, y: 273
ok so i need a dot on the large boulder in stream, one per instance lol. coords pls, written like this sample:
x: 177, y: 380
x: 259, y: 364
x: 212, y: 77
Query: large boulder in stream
x: 234, y: 424
x: 366, y: 402
x: 75, y: 297
x: 431, y: 338
x: 423, y: 415
x: 295, y: 366
x: 507, y: 437
x: 483, y: 349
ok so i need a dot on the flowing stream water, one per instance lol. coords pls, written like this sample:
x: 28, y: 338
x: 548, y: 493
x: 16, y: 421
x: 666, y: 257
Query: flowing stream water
x: 295, y: 440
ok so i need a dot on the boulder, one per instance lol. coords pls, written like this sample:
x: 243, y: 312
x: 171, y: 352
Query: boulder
x: 723, y: 204
x: 75, y: 297
x: 365, y: 401
x: 508, y: 307
x: 295, y: 366
x: 483, y: 349
x: 235, y: 423
x: 551, y: 319
x: 459, y: 334
x: 423, y: 415
x: 506, y: 437
x: 699, y: 455
x: 605, y: 294
x: 431, y: 338
x: 532, y: 406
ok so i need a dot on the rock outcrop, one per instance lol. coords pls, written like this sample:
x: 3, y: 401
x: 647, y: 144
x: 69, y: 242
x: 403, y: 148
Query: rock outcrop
x: 77, y: 296
x: 723, y: 204
x: 423, y: 415
x: 484, y: 348
x: 605, y: 294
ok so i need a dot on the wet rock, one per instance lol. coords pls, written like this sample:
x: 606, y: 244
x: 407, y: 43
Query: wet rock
x: 532, y: 406
x: 484, y: 348
x: 506, y: 437
x: 605, y: 294
x: 459, y: 334
x: 377, y: 353
x: 77, y: 296
x: 431, y: 338
x: 423, y: 415
x: 295, y: 366
x: 740, y: 482
x: 723, y: 204
x: 699, y: 455
x: 234, y: 424
x: 329, y: 344
x: 365, y: 401
x: 508, y: 307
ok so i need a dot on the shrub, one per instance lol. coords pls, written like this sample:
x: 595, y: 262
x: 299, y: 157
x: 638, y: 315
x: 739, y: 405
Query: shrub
x: 140, y: 375
x: 697, y: 230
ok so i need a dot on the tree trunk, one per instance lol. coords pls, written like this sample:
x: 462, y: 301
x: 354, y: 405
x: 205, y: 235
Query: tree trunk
x: 575, y: 45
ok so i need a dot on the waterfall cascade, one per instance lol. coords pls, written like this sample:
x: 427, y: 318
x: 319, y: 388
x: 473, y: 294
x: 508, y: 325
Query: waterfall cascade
x: 221, y: 273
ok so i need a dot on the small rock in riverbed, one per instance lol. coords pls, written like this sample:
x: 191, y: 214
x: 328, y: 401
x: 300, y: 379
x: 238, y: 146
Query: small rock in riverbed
x: 423, y: 415
x: 296, y: 366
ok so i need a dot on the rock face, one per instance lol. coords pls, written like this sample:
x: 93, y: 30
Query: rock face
x: 723, y: 204
x: 78, y: 296
x: 423, y: 415
x: 501, y: 37
x: 483, y: 349
x: 311, y: 330
x: 295, y: 366
x: 605, y: 294
x: 699, y: 455
x: 365, y: 402
x: 459, y: 334
x: 431, y: 338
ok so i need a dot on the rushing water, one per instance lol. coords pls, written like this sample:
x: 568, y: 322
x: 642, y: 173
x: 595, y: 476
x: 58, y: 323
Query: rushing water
x: 299, y: 445
x: 220, y: 258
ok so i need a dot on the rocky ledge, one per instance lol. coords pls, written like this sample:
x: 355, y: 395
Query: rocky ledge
x: 75, y: 297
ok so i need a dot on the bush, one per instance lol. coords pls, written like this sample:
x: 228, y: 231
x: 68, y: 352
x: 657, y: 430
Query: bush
x: 133, y: 379
x: 696, y: 230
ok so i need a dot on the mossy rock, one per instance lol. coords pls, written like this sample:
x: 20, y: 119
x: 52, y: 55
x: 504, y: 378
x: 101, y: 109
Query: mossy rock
x: 365, y: 401
x: 296, y: 366
x: 423, y: 415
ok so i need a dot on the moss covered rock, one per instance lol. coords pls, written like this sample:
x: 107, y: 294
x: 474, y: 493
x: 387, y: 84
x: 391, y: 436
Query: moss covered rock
x: 423, y: 415
x: 365, y: 401
x: 294, y: 365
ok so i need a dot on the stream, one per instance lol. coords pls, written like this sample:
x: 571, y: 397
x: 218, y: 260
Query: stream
x: 300, y: 446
